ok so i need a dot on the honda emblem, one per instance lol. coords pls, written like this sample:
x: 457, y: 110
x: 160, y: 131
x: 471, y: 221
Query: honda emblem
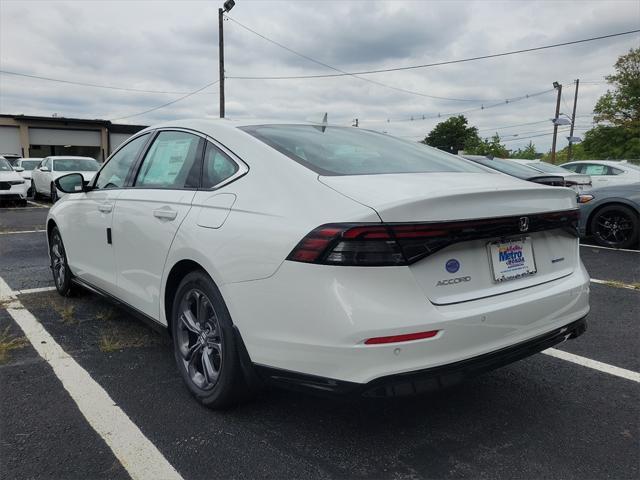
x: 524, y: 224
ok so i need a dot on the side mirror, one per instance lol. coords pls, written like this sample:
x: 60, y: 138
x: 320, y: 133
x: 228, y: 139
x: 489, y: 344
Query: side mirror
x: 44, y: 169
x: 71, y: 183
x: 19, y: 169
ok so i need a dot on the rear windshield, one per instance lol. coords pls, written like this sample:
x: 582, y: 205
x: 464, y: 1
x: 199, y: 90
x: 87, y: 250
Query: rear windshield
x: 5, y: 166
x: 75, y: 165
x: 29, y: 164
x: 351, y: 151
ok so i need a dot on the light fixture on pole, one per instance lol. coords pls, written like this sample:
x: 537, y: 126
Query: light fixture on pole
x: 228, y: 5
x: 574, y: 140
x: 558, y: 87
x: 560, y: 121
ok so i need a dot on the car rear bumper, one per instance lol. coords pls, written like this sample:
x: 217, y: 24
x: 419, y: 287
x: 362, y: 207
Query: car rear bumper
x: 315, y: 319
x: 426, y: 380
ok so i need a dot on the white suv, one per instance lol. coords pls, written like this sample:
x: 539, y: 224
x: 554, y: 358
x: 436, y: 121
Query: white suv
x: 329, y: 258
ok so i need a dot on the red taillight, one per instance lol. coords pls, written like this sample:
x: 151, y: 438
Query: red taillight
x: 393, y: 244
x: 401, y: 338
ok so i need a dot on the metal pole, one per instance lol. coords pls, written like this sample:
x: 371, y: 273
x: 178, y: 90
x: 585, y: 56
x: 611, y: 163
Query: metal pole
x: 573, y: 120
x: 221, y: 59
x: 555, y: 125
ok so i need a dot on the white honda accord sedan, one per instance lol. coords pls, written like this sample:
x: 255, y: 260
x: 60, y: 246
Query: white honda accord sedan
x: 327, y: 258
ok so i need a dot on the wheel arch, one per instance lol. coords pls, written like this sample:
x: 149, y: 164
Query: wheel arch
x: 612, y: 203
x: 175, y: 276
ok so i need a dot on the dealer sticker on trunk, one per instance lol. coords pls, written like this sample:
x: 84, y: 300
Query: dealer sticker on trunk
x: 512, y: 259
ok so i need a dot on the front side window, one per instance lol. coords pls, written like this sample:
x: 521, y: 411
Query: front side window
x: 352, y: 151
x: 114, y: 173
x: 171, y: 162
x: 217, y: 167
x: 75, y: 165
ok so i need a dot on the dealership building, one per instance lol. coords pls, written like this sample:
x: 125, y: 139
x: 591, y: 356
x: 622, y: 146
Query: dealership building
x: 31, y: 136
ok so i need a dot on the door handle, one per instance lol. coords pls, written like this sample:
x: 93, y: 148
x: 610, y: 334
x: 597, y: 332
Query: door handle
x: 105, y: 207
x: 165, y: 214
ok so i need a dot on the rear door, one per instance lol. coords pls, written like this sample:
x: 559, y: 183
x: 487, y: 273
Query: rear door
x: 148, y: 215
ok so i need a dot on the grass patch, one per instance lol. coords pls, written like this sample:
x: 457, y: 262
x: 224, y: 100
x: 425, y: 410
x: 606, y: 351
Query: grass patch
x: 67, y: 314
x: 10, y: 342
x: 106, y: 314
x: 113, y: 341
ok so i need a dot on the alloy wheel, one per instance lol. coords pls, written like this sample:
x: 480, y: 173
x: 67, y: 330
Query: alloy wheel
x: 614, y: 228
x: 200, y: 339
x: 58, y: 261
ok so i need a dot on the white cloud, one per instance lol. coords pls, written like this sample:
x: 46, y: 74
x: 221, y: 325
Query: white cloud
x: 173, y: 46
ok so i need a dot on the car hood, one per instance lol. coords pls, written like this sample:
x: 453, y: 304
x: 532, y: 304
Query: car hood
x: 86, y: 175
x: 9, y: 176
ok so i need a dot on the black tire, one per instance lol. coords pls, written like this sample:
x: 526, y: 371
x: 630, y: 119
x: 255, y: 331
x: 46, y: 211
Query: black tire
x: 204, y: 344
x: 53, y: 194
x: 615, y: 226
x: 59, y: 264
x: 34, y: 190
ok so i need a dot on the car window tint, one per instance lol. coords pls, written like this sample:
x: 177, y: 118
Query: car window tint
x: 170, y: 162
x: 217, y: 166
x: 615, y: 171
x: 594, y: 169
x: 352, y: 151
x: 114, y: 173
x: 5, y: 166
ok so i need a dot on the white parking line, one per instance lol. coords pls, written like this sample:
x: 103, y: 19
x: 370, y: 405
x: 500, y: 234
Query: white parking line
x: 609, y: 248
x: 40, y: 205
x: 22, y: 231
x: 594, y: 364
x: 615, y: 284
x: 136, y: 453
x: 33, y: 290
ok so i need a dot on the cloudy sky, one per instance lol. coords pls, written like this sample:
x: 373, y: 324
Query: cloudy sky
x: 171, y: 48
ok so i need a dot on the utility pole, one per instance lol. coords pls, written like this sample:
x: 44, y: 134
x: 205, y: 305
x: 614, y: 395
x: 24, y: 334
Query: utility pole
x: 573, y: 120
x: 228, y: 5
x: 221, y: 59
x: 558, y: 87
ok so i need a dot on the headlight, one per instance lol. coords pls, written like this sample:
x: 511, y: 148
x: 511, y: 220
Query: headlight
x: 585, y: 198
x: 16, y: 182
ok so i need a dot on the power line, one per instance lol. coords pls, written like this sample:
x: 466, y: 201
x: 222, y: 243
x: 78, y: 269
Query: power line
x: 342, y: 72
x: 166, y: 104
x: 84, y: 84
x: 435, y: 64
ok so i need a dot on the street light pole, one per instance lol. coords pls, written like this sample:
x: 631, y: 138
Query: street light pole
x: 558, y: 87
x: 228, y: 5
x: 221, y: 59
x: 573, y: 120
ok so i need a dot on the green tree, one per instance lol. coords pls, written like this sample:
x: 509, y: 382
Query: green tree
x: 452, y: 135
x: 617, y: 115
x: 488, y: 147
x: 528, y: 152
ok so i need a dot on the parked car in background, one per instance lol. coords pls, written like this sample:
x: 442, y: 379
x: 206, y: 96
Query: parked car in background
x: 611, y: 215
x: 606, y: 172
x: 28, y: 165
x: 334, y: 259
x: 516, y: 170
x: 50, y: 168
x: 578, y: 182
x: 12, y: 185
x: 10, y: 157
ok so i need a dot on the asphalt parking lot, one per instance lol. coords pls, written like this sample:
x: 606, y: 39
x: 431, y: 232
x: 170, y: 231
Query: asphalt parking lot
x: 543, y: 417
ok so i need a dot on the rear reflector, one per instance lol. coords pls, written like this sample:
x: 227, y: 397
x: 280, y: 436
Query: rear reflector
x: 393, y: 244
x: 401, y: 338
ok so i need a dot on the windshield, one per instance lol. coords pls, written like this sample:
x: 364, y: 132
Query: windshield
x: 507, y: 166
x: 29, y: 164
x: 4, y: 165
x: 549, y: 168
x: 351, y: 151
x: 75, y: 165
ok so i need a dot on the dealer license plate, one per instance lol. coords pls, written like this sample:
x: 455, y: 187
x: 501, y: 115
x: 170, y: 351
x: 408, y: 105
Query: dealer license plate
x: 512, y: 259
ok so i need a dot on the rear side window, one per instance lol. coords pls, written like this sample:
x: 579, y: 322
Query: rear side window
x: 593, y: 169
x: 352, y: 151
x: 171, y: 162
x: 114, y: 173
x: 217, y: 167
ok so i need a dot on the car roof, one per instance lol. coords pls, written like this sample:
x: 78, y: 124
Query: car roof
x: 69, y: 157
